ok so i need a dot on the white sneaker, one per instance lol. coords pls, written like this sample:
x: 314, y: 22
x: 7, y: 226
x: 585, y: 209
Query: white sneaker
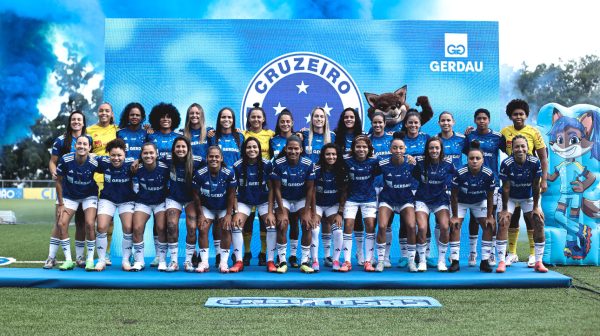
x: 162, y: 266
x: 203, y: 267
x: 387, y: 263
x: 188, y: 267
x: 50, y: 262
x: 155, y: 262
x: 422, y: 266
x: 126, y: 265
x: 100, y: 266
x: 360, y: 258
x: 173, y: 266
x: 412, y: 267
x: 492, y: 259
x: 511, y: 259
x: 137, y: 267
x: 441, y: 266
x: 531, y: 261
x: 472, y: 259
x: 379, y: 267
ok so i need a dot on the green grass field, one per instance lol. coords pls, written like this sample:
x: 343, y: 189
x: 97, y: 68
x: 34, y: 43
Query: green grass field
x: 27, y: 311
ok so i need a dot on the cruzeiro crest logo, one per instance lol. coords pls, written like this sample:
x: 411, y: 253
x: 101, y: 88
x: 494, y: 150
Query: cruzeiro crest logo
x: 299, y: 82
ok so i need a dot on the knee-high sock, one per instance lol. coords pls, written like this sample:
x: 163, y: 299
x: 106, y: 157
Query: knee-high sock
x: 513, y: 236
x: 486, y: 249
x: 442, y: 249
x: 173, y: 251
x: 66, y: 247
x: 90, y: 247
x: 501, y: 249
x: 455, y: 250
x: 238, y: 243
x: 314, y: 244
x: 282, y: 252
x: 138, y: 252
x: 101, y: 242
x: 271, y: 243
x: 388, y: 242
x: 369, y: 245
x: 360, y: 239
x: 338, y: 242
x: 403, y: 247
x: 53, y: 249
x: 347, y: 247
x: 126, y: 245
x: 326, y: 237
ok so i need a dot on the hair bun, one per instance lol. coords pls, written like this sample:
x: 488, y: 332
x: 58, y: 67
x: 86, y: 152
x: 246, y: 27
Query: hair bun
x: 475, y: 144
x: 399, y: 135
x: 256, y: 105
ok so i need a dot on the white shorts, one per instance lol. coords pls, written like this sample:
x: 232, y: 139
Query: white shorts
x: 88, y: 202
x: 173, y: 204
x: 525, y: 204
x: 292, y: 206
x: 398, y: 208
x: 423, y: 207
x: 479, y: 210
x: 368, y: 210
x: 106, y: 207
x: 327, y: 211
x: 149, y: 209
x: 210, y: 214
x: 246, y: 209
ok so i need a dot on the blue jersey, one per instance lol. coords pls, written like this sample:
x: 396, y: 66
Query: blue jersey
x: 327, y: 188
x: 199, y: 148
x: 58, y: 147
x: 361, y: 175
x: 117, y: 181
x: 313, y: 150
x: 213, y: 189
x: 133, y: 141
x: 163, y: 142
x: 381, y: 149
x: 348, y: 138
x: 453, y: 148
x: 77, y: 180
x: 276, y: 145
x: 415, y: 147
x: 293, y: 178
x: 231, y: 151
x: 252, y: 186
x: 180, y: 189
x: 397, y: 182
x: 473, y: 189
x: 433, y: 181
x: 490, y: 143
x: 390, y: 129
x: 519, y: 176
x: 153, y: 184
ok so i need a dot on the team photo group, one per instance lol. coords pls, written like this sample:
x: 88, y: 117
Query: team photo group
x: 330, y: 183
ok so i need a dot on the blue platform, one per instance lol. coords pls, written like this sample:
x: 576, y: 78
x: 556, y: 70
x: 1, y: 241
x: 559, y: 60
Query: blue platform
x: 517, y: 276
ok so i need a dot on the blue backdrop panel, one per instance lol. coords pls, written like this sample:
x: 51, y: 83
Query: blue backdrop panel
x: 517, y: 276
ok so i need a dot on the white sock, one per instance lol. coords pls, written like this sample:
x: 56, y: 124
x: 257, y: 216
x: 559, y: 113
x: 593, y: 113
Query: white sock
x: 369, y: 245
x: 494, y: 245
x: 326, y: 237
x: 501, y: 249
x: 338, y: 241
x: 294, y: 247
x: 126, y: 245
x: 539, y: 251
x: 271, y: 243
x: 138, y: 252
x: 403, y: 247
x: 411, y: 252
x: 305, y: 254
x: 422, y: 250
x: 90, y: 247
x: 238, y: 243
x: 360, y: 240
x: 204, y: 254
x: 455, y: 250
x: 388, y: 242
x: 174, y: 252
x: 162, y: 252
x: 217, y: 246
x: 347, y: 247
x: 53, y: 249
x: 225, y: 256
x: 66, y: 247
x: 282, y: 252
x: 314, y: 244
x: 380, y: 252
x: 473, y: 244
x: 79, y: 249
x: 427, y: 247
x: 189, y: 252
x: 486, y: 249
x: 442, y: 249
x: 101, y: 244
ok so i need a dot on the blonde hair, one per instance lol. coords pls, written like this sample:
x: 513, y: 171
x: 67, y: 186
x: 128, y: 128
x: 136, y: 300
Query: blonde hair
x: 187, y: 130
x: 326, y: 132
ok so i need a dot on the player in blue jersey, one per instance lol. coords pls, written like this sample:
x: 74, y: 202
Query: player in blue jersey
x: 164, y: 120
x: 432, y: 173
x: 283, y: 129
x: 62, y: 145
x: 396, y: 197
x: 330, y: 197
x: 381, y: 141
x: 196, y: 131
x: 453, y: 142
x: 75, y: 185
x: 131, y: 130
x: 317, y: 135
x: 253, y: 174
x: 214, y: 197
x: 520, y: 175
x: 182, y: 165
x: 362, y: 169
x: 293, y: 186
x: 117, y: 194
x: 473, y: 189
x: 491, y: 143
x: 152, y: 176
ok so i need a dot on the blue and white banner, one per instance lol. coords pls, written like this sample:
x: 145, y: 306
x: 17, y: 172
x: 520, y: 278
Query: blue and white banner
x: 302, y: 64
x: 339, y: 302
x: 11, y: 193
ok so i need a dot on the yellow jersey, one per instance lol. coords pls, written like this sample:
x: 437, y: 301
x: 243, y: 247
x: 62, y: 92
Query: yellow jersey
x: 100, y: 137
x: 533, y: 136
x: 263, y: 137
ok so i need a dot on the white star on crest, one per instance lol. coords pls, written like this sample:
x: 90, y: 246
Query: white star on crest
x: 307, y: 118
x: 327, y: 109
x: 302, y: 88
x: 278, y: 108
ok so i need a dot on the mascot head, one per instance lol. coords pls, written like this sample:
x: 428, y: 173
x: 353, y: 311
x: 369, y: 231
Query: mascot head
x: 392, y: 105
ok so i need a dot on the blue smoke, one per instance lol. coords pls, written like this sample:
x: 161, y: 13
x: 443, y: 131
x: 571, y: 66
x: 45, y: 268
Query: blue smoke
x: 26, y: 61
